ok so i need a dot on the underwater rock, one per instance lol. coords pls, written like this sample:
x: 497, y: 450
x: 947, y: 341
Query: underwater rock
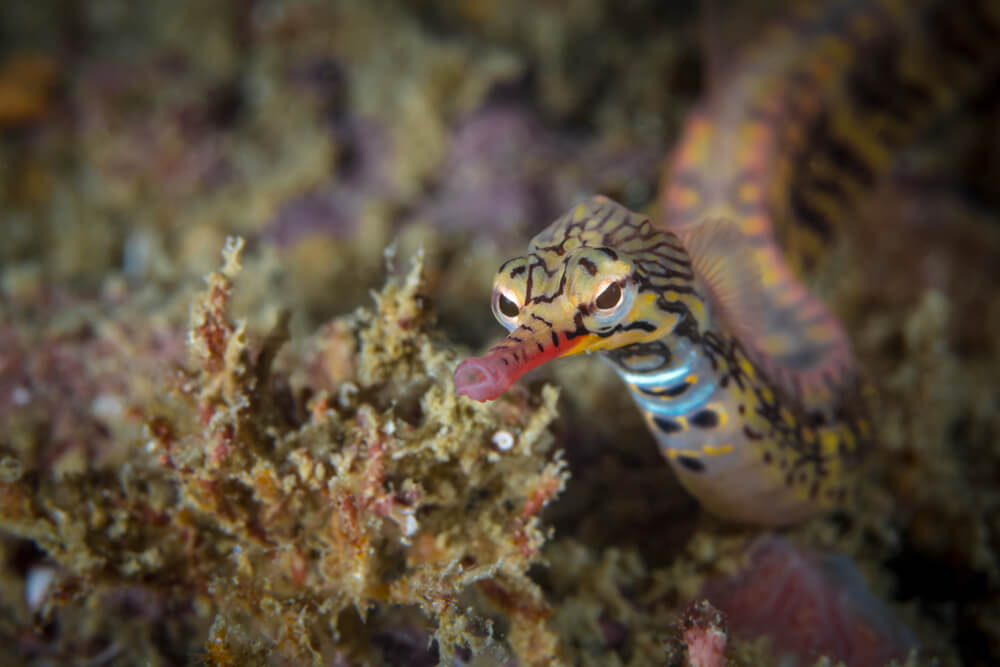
x: 810, y: 604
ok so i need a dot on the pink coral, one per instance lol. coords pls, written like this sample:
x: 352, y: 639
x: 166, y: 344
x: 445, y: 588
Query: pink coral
x: 703, y: 630
x: 811, y: 605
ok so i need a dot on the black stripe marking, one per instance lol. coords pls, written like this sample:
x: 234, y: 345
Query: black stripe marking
x: 807, y: 215
x: 542, y: 320
x: 705, y: 419
x: 669, y: 392
x: 641, y: 325
x: 694, y: 465
x: 667, y: 425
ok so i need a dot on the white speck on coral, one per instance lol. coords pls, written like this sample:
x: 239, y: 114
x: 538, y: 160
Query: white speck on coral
x: 410, y: 526
x: 20, y: 396
x: 346, y: 394
x: 151, y: 446
x: 136, y: 252
x: 36, y: 587
x: 503, y: 440
x: 389, y: 427
x: 106, y: 406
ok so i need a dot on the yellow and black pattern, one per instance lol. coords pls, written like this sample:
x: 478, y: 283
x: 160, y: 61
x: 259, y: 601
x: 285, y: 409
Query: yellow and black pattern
x: 604, y: 279
x: 743, y: 375
x: 792, y: 142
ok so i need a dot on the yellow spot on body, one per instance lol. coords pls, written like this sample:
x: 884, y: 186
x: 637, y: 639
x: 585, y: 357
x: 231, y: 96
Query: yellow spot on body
x: 787, y: 296
x: 828, y: 443
x: 691, y: 379
x: 748, y: 368
x: 754, y: 225
x: 701, y: 128
x: 769, y: 274
x: 697, y: 308
x: 673, y: 453
x: 580, y: 213
x: 767, y: 395
x: 753, y: 144
x: 720, y: 412
x: 717, y: 450
x: 776, y: 344
x: 820, y: 332
x: 695, y: 149
x: 749, y: 193
x: 683, y: 197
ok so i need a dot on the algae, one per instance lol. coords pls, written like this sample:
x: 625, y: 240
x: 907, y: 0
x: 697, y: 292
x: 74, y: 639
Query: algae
x: 300, y: 512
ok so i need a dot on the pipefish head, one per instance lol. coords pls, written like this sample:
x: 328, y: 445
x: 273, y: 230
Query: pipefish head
x: 596, y: 279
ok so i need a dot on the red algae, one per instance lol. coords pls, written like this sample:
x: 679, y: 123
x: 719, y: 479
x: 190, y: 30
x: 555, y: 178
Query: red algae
x: 811, y: 605
x: 705, y: 635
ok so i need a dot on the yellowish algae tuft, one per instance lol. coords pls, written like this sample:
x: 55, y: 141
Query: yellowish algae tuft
x: 297, y: 514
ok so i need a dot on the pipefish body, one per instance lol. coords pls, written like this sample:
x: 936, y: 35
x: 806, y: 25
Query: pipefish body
x: 743, y: 375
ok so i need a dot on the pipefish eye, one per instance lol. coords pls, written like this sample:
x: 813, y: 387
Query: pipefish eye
x: 506, y: 306
x: 609, y: 296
